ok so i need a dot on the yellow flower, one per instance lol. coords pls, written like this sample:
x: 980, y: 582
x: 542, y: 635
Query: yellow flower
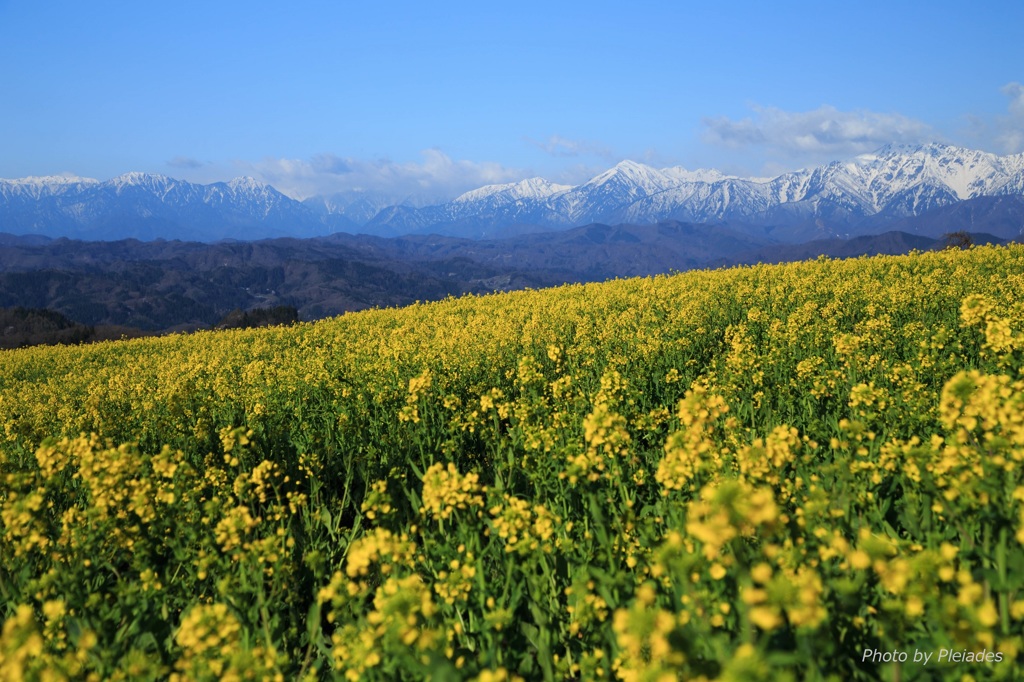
x: 765, y: 617
x: 761, y: 573
x: 445, y: 490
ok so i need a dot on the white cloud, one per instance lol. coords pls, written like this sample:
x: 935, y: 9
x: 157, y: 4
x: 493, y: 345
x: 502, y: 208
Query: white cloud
x: 1010, y: 135
x: 824, y: 133
x: 436, y: 177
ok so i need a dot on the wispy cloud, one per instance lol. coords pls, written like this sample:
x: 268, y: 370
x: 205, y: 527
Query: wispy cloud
x: 559, y: 146
x: 823, y: 133
x: 185, y: 162
x: 330, y: 164
x: 1001, y: 133
x: 1010, y: 135
x: 436, y: 176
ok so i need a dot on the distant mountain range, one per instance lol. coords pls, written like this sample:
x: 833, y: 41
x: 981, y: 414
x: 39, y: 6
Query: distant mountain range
x: 144, y: 206
x: 893, y: 188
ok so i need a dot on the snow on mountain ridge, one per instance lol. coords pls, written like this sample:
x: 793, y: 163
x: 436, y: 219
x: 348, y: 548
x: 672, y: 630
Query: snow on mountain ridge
x: 138, y: 178
x: 700, y: 175
x: 38, y: 187
x: 631, y: 173
x: 249, y: 184
x: 144, y: 205
x: 967, y: 173
x: 892, y: 182
x: 531, y: 188
x: 50, y: 180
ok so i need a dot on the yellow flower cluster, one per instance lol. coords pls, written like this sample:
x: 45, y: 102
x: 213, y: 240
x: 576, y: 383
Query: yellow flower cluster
x: 209, y: 628
x: 210, y: 639
x: 377, y: 502
x: 585, y: 608
x: 232, y: 530
x: 374, y: 548
x: 643, y: 633
x: 445, y: 491
x: 524, y: 528
x: 455, y: 582
x: 691, y: 449
x: 402, y: 611
x: 418, y: 386
x: 21, y: 645
x: 732, y: 509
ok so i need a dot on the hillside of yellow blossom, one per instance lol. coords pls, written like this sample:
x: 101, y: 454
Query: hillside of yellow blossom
x: 808, y: 471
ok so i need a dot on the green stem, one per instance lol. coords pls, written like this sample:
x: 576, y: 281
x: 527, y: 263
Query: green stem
x: 1004, y: 597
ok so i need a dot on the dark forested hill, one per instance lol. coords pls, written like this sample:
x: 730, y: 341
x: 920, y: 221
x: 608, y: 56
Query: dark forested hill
x: 177, y: 286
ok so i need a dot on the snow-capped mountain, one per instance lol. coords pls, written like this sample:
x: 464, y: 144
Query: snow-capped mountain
x: 842, y: 198
x: 538, y: 202
x: 35, y: 188
x: 148, y: 206
x: 525, y: 190
x: 831, y: 200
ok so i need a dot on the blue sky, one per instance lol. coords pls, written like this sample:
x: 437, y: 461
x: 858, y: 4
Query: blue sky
x: 430, y: 99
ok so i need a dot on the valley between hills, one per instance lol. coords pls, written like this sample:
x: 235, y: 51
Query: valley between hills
x: 69, y: 291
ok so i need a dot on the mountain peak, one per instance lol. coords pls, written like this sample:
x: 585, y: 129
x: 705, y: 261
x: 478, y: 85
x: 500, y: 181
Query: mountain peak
x: 700, y: 175
x: 139, y: 179
x: 247, y: 183
x: 635, y: 178
x: 635, y: 170
x: 531, y: 188
x: 891, y: 148
x: 629, y: 165
x: 967, y: 173
x: 930, y: 149
x: 625, y: 169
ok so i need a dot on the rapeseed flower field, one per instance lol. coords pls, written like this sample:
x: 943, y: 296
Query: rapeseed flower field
x: 807, y: 472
